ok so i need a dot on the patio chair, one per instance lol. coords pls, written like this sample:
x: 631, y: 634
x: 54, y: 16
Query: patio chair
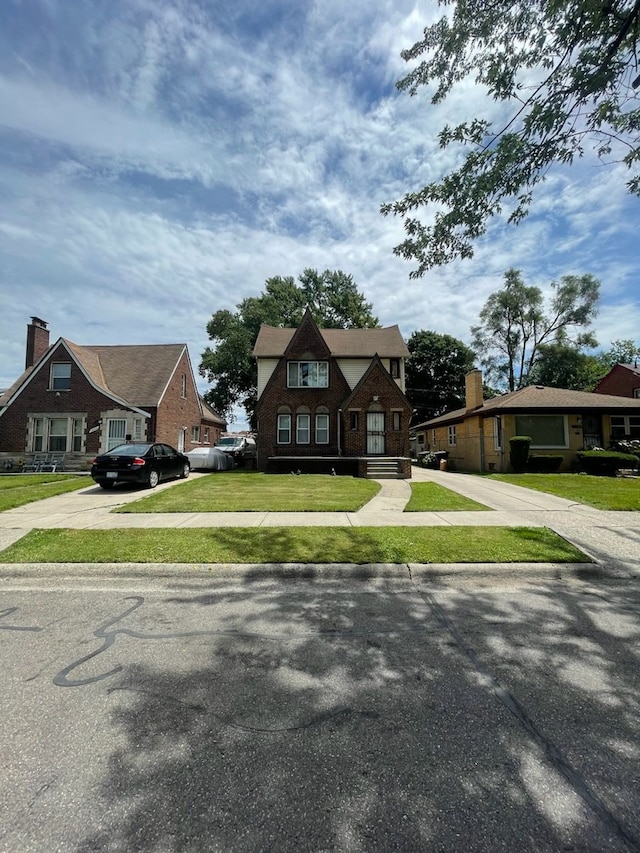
x: 36, y: 463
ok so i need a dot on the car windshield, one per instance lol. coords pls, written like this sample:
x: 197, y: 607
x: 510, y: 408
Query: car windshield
x: 129, y: 450
x: 227, y: 442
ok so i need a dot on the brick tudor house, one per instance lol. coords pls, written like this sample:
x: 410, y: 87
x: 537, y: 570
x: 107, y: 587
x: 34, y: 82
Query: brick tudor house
x: 332, y: 400
x: 83, y: 400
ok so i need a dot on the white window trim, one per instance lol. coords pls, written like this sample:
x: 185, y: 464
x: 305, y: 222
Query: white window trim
x: 298, y: 363
x: 452, y: 436
x: 52, y: 378
x: 497, y: 433
x: 284, y: 418
x: 45, y: 418
x: 299, y: 419
x: 322, y: 415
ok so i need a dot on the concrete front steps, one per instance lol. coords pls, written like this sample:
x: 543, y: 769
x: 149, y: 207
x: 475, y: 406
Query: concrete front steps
x: 384, y: 469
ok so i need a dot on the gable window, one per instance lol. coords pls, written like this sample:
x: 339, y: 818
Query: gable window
x: 625, y: 426
x: 303, y: 429
x: 308, y: 374
x: 60, y: 379
x: 322, y: 429
x: 353, y: 420
x: 394, y: 368
x: 183, y: 385
x: 284, y: 429
x: 396, y: 421
x: 195, y: 433
x: 452, y: 435
x: 545, y: 430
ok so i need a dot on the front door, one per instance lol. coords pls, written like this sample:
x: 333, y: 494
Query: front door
x: 592, y: 431
x: 116, y: 432
x: 375, y: 432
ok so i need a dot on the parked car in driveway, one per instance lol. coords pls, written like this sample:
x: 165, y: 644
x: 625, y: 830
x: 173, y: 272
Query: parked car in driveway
x: 240, y: 448
x: 140, y: 463
x: 210, y: 459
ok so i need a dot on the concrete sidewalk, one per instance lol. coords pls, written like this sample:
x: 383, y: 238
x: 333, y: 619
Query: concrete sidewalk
x: 611, y: 538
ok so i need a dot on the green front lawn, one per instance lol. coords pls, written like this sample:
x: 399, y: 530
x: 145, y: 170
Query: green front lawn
x: 19, y: 489
x: 251, y: 491
x: 295, y: 545
x: 430, y: 497
x: 615, y: 493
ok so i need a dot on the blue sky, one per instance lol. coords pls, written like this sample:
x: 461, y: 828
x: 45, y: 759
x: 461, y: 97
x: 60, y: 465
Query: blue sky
x: 159, y: 159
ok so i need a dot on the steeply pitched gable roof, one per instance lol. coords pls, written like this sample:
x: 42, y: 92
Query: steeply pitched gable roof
x: 272, y: 341
x: 539, y: 399
x: 135, y: 374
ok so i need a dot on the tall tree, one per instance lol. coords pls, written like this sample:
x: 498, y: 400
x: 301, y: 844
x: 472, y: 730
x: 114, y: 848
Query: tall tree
x: 435, y: 373
x: 332, y: 297
x: 565, y: 69
x: 514, y: 324
x: 623, y: 351
x: 564, y: 365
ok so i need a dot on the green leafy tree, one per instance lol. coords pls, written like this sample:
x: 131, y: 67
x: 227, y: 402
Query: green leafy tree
x: 564, y: 365
x: 514, y: 324
x: 435, y: 373
x: 623, y: 351
x: 565, y: 71
x: 331, y: 296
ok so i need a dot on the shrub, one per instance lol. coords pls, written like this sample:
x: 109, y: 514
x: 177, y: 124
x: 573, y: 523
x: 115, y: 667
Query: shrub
x: 626, y: 445
x: 519, y: 452
x: 544, y: 464
x: 605, y: 462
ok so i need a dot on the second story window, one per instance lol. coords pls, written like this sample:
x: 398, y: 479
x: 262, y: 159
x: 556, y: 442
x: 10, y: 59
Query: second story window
x: 394, y: 368
x: 308, y: 374
x: 60, y: 376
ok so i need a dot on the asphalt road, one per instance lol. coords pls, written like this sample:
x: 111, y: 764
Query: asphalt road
x: 255, y: 711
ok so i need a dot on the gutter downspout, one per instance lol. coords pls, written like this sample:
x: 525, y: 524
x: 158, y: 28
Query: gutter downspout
x: 339, y: 420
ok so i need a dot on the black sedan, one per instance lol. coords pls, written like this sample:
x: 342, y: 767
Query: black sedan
x: 139, y: 463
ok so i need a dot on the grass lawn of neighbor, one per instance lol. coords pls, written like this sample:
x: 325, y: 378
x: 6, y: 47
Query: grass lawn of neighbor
x: 19, y: 489
x: 359, y: 545
x: 251, y: 491
x: 431, y: 497
x: 614, y: 493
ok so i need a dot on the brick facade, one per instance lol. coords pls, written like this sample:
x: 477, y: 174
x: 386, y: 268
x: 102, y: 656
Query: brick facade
x: 622, y: 381
x: 375, y: 392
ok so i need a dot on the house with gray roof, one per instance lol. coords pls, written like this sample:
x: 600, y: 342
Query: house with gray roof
x: 332, y: 400
x: 84, y: 400
x: 560, y: 422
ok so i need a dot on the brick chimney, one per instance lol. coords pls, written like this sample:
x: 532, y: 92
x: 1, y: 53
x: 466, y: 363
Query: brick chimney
x: 37, y: 340
x: 473, y: 389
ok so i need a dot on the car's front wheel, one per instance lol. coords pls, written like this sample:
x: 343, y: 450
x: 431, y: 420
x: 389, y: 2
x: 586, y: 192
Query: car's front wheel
x: 186, y: 470
x: 154, y: 479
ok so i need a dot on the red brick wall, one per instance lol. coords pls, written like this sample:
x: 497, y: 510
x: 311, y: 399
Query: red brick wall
x: 621, y: 382
x: 377, y: 384
x: 277, y: 394
x: 176, y: 411
x: 36, y: 397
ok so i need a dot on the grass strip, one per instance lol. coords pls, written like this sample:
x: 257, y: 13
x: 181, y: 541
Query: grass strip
x: 19, y: 490
x: 295, y: 545
x: 431, y: 497
x: 609, y: 493
x: 252, y: 491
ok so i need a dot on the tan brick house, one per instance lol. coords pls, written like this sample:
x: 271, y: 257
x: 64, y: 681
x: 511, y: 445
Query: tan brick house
x: 83, y: 400
x: 332, y: 400
x: 560, y: 422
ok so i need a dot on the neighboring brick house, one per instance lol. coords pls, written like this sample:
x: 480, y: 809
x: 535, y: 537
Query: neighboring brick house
x: 560, y: 422
x: 332, y: 400
x: 623, y: 380
x: 83, y: 400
